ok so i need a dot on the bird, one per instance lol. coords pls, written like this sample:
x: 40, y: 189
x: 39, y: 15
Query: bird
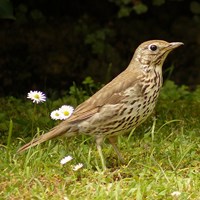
x: 122, y: 104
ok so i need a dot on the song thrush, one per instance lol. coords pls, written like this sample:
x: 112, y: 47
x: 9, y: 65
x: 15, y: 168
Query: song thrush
x: 122, y: 104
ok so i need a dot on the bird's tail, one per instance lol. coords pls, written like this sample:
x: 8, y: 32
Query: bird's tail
x: 57, y: 131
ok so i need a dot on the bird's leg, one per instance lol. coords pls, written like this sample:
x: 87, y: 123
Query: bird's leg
x: 99, y: 142
x: 113, y: 141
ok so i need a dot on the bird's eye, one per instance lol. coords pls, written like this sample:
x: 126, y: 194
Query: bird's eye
x: 153, y: 47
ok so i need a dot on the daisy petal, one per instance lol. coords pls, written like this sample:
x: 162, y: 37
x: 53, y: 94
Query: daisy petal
x: 66, y: 111
x: 36, y: 96
x: 77, y: 167
x: 56, y: 114
x: 65, y: 160
x: 176, y: 194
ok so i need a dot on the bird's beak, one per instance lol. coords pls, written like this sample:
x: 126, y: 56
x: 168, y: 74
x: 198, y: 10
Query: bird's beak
x: 174, y: 45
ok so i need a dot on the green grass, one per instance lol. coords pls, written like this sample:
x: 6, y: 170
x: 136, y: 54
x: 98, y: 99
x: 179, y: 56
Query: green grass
x: 162, y: 155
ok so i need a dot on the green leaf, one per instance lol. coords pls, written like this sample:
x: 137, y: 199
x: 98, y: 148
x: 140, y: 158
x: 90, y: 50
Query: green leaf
x: 140, y: 8
x: 158, y: 2
x: 195, y: 7
x: 124, y: 11
x: 6, y: 10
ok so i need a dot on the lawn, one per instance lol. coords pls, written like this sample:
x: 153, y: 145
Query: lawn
x: 162, y: 156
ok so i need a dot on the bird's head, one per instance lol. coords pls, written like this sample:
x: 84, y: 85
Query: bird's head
x: 154, y: 52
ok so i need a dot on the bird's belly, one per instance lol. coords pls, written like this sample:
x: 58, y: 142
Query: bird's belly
x: 118, y: 119
x: 129, y: 120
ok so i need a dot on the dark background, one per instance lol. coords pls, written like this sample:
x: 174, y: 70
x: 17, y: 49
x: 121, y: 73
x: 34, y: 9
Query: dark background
x: 49, y: 44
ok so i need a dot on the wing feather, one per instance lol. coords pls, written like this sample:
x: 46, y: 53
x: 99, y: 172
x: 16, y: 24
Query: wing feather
x: 112, y: 93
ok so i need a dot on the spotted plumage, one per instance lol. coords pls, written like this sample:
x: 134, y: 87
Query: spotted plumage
x: 122, y: 104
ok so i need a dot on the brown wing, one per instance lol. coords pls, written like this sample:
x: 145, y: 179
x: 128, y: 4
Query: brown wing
x: 111, y: 93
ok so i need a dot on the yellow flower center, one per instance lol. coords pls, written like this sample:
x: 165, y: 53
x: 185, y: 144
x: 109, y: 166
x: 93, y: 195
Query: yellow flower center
x: 66, y: 113
x: 57, y: 114
x: 37, y: 96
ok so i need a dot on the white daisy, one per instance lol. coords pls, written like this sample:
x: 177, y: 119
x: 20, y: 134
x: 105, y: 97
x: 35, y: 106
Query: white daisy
x: 65, y: 160
x: 36, y: 96
x: 66, y: 111
x: 176, y: 194
x: 56, y: 114
x: 78, y: 166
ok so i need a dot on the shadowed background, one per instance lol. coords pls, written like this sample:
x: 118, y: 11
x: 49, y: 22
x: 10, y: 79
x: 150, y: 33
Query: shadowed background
x: 48, y: 45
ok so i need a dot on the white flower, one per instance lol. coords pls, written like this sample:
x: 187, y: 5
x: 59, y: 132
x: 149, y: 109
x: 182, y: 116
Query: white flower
x: 176, y: 194
x: 65, y: 160
x: 62, y: 113
x: 78, y: 166
x: 36, y: 96
x: 56, y: 114
x: 66, y: 111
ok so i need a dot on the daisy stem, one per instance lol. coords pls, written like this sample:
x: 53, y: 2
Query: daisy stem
x: 33, y: 120
x: 9, y: 138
